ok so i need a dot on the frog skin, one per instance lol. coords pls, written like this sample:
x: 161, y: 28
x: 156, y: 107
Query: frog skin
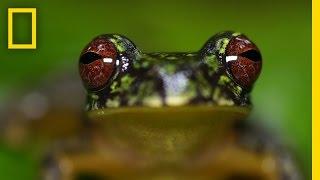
x: 169, y: 79
x: 169, y: 115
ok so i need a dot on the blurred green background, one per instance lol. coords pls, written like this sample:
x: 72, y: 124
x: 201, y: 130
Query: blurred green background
x: 281, y: 29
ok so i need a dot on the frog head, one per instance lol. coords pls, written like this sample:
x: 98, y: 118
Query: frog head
x: 117, y: 74
x: 168, y: 103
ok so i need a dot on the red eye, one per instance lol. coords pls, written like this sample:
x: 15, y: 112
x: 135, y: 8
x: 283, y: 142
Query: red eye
x: 244, y: 60
x: 97, y: 63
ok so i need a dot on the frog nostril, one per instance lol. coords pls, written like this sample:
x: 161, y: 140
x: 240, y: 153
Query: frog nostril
x: 89, y: 57
x: 252, y: 54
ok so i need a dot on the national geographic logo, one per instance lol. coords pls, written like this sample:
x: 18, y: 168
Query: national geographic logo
x: 33, y: 44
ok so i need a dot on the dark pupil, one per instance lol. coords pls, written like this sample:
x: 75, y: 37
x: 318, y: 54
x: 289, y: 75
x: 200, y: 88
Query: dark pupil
x: 89, y: 57
x: 252, y: 55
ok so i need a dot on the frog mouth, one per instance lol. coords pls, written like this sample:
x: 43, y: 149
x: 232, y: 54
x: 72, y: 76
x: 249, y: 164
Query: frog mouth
x: 178, y: 113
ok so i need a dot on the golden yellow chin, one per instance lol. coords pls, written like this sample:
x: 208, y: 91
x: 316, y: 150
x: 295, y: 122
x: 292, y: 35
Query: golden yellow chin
x: 175, y: 130
x: 188, y: 142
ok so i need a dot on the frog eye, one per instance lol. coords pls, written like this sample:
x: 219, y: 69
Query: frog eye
x: 97, y: 63
x: 243, y: 60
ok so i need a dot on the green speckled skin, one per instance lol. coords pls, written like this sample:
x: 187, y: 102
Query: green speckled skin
x: 170, y: 79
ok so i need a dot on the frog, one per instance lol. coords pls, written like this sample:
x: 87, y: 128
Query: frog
x: 175, y: 115
x: 162, y: 115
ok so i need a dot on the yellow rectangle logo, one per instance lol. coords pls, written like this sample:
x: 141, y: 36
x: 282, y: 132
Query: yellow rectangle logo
x: 33, y: 44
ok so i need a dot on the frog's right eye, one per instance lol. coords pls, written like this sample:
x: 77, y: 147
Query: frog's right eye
x: 104, y: 58
x: 243, y: 60
x: 97, y: 63
x: 234, y: 54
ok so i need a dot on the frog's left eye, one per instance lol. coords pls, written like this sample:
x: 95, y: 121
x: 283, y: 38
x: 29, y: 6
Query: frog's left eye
x: 243, y: 60
x: 97, y: 63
